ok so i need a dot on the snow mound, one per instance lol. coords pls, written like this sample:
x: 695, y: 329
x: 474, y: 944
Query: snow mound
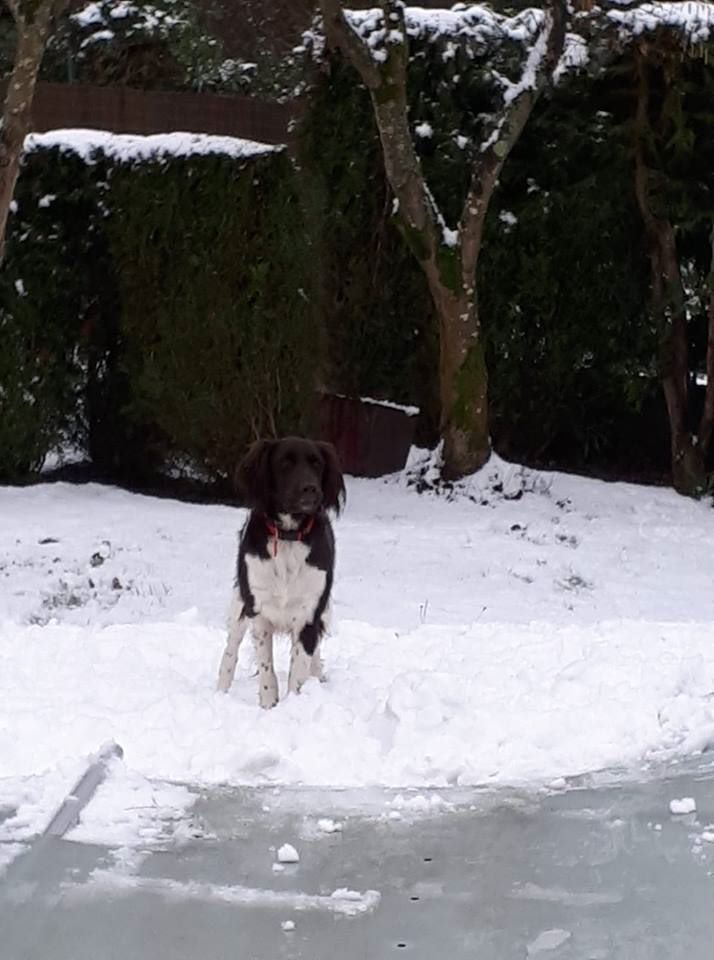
x: 437, y: 706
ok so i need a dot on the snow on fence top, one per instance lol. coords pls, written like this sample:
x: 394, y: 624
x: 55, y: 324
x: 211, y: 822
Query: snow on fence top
x: 130, y: 147
x: 405, y: 408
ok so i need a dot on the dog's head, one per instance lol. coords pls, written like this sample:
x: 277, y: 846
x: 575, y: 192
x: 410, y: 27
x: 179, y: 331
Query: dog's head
x: 292, y: 476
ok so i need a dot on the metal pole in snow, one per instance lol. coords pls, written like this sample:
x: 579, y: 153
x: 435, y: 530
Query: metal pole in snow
x: 22, y: 876
x: 68, y: 814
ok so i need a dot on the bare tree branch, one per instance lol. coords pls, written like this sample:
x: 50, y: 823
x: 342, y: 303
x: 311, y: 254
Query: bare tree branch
x: 402, y: 164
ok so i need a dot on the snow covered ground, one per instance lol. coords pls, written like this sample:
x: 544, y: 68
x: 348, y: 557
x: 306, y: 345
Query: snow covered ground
x: 533, y: 628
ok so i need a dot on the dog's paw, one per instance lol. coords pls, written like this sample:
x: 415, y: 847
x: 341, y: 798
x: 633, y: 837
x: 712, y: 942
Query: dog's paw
x: 317, y: 669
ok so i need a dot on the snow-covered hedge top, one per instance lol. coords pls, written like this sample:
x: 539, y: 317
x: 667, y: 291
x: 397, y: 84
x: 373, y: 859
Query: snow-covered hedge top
x: 479, y: 28
x: 695, y: 21
x: 128, y: 147
x: 151, y: 17
x: 475, y: 23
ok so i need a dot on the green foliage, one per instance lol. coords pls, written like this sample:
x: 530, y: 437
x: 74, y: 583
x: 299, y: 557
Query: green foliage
x: 563, y: 287
x: 212, y: 260
x: 149, y: 44
x: 49, y: 307
x: 374, y: 302
x: 154, y: 310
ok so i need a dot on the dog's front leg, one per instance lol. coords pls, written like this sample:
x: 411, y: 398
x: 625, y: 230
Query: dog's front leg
x: 237, y: 626
x: 267, y: 681
x: 317, y: 667
x: 305, y: 658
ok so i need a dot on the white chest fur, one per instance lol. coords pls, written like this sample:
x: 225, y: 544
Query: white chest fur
x: 286, y: 588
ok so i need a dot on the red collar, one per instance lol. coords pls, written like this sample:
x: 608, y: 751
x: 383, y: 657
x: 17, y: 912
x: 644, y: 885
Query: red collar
x: 278, y: 533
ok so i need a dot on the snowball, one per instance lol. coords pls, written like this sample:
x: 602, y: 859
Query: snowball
x: 329, y: 826
x: 548, y: 940
x: 288, y: 854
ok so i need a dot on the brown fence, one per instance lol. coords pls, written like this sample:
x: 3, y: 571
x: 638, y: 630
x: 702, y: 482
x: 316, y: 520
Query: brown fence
x: 371, y: 438
x: 124, y: 110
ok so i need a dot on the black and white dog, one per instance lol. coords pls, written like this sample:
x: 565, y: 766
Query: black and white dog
x: 286, y: 558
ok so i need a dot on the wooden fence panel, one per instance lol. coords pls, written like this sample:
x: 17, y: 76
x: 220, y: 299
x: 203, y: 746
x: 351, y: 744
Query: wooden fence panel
x: 125, y: 110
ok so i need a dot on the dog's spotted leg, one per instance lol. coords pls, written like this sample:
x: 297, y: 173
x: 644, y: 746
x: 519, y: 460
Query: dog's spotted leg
x: 300, y: 667
x: 237, y: 626
x: 317, y: 666
x: 305, y: 657
x: 267, y: 681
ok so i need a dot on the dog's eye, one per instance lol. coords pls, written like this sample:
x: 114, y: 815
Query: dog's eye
x: 314, y: 460
x: 288, y: 461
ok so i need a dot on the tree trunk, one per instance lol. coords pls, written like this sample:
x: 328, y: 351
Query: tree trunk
x: 688, y: 469
x: 31, y: 41
x: 706, y: 424
x: 668, y: 307
x: 463, y: 380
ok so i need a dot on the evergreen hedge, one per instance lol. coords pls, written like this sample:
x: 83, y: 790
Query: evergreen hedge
x: 55, y: 283
x: 153, y: 309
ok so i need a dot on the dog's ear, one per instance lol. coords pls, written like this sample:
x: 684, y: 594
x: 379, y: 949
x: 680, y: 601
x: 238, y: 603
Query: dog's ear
x: 253, y: 476
x: 333, y: 485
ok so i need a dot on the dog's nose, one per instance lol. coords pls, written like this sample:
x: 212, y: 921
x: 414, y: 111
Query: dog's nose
x: 310, y: 490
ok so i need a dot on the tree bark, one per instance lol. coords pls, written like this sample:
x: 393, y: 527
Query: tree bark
x: 463, y: 378
x: 668, y: 306
x: 33, y: 23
